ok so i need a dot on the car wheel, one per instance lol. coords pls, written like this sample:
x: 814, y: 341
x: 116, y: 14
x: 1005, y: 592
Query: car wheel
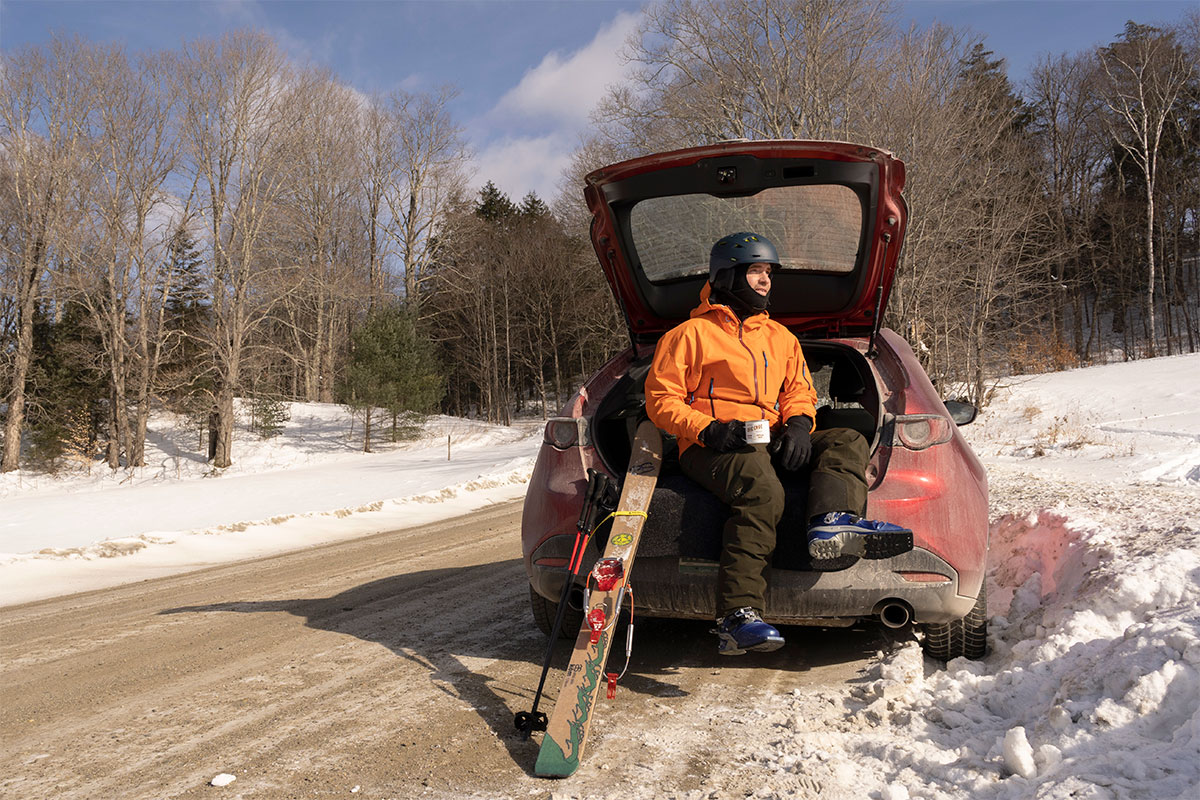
x: 966, y: 637
x: 544, y: 612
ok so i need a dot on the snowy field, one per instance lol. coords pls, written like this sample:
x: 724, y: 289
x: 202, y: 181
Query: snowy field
x: 1092, y: 688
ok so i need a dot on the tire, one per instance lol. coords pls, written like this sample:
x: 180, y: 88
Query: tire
x: 544, y: 612
x: 962, y: 638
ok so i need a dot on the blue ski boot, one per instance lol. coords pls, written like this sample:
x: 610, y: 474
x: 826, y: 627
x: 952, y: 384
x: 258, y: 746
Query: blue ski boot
x: 744, y: 630
x: 840, y: 533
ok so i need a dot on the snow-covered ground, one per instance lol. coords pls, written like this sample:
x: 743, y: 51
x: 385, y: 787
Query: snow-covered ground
x: 309, y: 485
x: 1092, y: 688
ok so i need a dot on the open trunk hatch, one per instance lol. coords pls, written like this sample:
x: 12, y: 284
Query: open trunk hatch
x: 833, y: 211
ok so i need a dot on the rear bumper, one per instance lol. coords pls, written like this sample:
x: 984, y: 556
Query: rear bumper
x: 664, y: 588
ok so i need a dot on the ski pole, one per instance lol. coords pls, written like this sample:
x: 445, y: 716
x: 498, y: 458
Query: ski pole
x: 529, y: 721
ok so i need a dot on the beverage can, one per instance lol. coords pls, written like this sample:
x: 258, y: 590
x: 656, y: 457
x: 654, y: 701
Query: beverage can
x: 758, y: 431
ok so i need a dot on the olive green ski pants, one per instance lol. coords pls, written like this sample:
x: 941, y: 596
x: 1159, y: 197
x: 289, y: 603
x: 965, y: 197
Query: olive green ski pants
x: 746, y: 480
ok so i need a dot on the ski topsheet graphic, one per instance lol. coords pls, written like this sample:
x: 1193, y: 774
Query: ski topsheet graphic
x: 567, y: 729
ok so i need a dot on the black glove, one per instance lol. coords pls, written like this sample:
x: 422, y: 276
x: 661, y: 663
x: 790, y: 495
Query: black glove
x: 724, y: 437
x: 795, y: 445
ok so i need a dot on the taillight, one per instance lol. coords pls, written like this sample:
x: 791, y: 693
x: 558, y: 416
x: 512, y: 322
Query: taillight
x: 919, y: 431
x: 564, y: 432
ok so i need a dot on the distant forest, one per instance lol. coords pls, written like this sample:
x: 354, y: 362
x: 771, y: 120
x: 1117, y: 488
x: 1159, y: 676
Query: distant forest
x: 179, y: 229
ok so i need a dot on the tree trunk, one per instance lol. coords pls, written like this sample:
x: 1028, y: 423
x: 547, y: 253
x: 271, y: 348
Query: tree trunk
x: 325, y: 364
x: 411, y: 289
x: 114, y: 434
x: 541, y: 380
x: 137, y: 449
x: 120, y: 414
x: 1078, y: 313
x: 14, y: 422
x: 1094, y: 332
x: 367, y: 430
x: 1150, y: 266
x: 558, y: 387
x: 223, y: 454
x: 1168, y: 297
x: 212, y: 434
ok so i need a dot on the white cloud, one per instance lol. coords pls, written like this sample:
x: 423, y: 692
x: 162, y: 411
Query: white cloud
x: 252, y: 15
x: 242, y: 12
x: 564, y: 89
x: 414, y: 82
x: 525, y: 142
x: 519, y: 165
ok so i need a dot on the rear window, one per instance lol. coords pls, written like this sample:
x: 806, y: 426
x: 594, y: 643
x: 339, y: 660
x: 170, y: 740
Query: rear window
x: 814, y: 228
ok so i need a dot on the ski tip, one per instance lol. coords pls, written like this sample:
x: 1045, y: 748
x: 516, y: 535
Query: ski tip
x: 552, y: 762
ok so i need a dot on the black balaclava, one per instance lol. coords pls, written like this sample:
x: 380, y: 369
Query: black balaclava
x: 744, y: 301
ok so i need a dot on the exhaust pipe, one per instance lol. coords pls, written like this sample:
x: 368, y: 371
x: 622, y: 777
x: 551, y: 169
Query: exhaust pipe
x: 575, y: 598
x: 895, y: 614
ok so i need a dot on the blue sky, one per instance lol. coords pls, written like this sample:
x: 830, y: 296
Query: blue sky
x: 528, y: 71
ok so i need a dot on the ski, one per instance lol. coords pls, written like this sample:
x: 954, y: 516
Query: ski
x: 567, y: 729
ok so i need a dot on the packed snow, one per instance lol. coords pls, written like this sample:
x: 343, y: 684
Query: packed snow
x: 1091, y: 688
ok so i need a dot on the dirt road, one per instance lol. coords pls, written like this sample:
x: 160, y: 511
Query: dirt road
x: 386, y: 667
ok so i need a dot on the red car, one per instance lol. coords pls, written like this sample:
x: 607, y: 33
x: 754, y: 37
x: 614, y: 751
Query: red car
x: 836, y: 215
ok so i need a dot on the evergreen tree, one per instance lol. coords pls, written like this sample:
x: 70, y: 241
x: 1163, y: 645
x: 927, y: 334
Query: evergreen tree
x: 268, y: 415
x: 987, y: 79
x: 65, y: 414
x: 186, y: 314
x: 494, y: 205
x: 532, y: 207
x: 185, y: 294
x: 393, y: 367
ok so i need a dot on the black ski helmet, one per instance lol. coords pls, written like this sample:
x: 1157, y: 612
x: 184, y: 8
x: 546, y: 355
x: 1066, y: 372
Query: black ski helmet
x: 738, y: 250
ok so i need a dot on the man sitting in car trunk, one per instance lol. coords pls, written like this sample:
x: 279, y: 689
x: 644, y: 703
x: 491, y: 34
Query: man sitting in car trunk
x: 729, y: 364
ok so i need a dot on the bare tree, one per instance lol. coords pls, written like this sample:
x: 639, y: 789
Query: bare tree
x: 462, y: 306
x: 974, y: 243
x: 238, y: 129
x: 324, y: 280
x: 545, y: 261
x: 1146, y: 73
x: 42, y: 104
x: 705, y: 70
x: 376, y: 139
x: 923, y: 122
x: 120, y: 278
x: 1074, y: 152
x: 429, y: 173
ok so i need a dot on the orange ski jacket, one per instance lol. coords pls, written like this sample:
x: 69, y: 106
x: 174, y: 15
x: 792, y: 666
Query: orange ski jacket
x: 715, y: 366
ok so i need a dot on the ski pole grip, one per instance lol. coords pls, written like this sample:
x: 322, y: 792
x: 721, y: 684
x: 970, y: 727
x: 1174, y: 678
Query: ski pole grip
x: 589, y: 499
